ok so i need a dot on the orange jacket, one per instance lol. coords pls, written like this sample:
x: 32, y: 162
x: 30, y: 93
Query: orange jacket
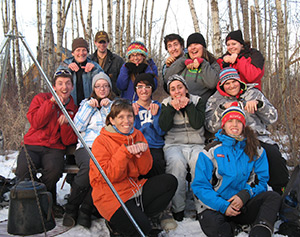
x: 121, y: 167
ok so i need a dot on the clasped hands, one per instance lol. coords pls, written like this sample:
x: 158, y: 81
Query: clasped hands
x: 180, y: 103
x: 153, y: 108
x: 87, y: 68
x: 235, y: 206
x: 230, y: 58
x: 137, y: 149
x: 193, y: 63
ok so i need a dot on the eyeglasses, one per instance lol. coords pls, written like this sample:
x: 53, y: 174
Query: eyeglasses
x: 102, y: 42
x: 102, y: 87
x: 138, y: 55
x: 62, y: 72
x: 140, y: 87
x: 121, y: 101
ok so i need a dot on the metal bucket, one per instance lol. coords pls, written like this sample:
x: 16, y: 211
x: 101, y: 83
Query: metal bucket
x: 24, y: 217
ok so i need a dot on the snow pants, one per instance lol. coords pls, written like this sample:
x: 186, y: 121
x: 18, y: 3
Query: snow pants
x: 261, y: 209
x: 279, y: 175
x: 50, y: 160
x: 178, y: 157
x: 156, y: 195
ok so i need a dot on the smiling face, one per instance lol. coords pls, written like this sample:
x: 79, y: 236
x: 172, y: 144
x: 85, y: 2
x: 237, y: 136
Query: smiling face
x: 233, y: 127
x: 102, y: 46
x: 232, y: 87
x: 102, y: 88
x: 143, y: 91
x: 123, y: 121
x: 63, y: 87
x: 177, y: 90
x: 195, y: 50
x: 136, y: 58
x: 174, y: 48
x: 80, y: 54
x: 234, y: 46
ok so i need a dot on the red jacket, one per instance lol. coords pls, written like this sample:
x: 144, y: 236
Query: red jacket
x: 121, y: 167
x: 249, y: 64
x: 44, y: 128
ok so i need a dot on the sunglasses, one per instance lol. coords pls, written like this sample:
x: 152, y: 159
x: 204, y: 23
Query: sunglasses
x: 62, y: 72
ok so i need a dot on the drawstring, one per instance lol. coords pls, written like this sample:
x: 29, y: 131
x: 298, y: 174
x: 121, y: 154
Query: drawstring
x: 138, y: 194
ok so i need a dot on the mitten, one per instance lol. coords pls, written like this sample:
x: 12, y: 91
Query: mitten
x: 131, y: 67
x: 200, y: 60
x: 141, y: 67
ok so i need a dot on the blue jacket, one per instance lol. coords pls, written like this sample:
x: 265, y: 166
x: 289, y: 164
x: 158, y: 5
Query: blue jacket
x: 125, y: 84
x: 87, y: 77
x: 148, y: 125
x: 224, y: 170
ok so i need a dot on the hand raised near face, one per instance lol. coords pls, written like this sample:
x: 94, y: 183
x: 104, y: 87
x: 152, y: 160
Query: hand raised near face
x: 251, y: 106
x: 73, y: 66
x: 137, y: 149
x: 170, y: 60
x: 136, y: 108
x: 89, y: 67
x: 230, y: 58
x: 93, y: 103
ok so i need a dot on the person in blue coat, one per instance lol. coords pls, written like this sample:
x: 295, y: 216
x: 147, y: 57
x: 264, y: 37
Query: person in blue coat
x: 230, y: 181
x: 147, y: 113
x: 82, y: 68
x: 136, y: 54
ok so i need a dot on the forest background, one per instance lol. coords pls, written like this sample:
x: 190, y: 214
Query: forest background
x: 271, y: 27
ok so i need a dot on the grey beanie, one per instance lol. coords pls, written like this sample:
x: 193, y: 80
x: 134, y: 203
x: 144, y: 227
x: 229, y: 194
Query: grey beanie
x: 176, y: 77
x: 103, y: 76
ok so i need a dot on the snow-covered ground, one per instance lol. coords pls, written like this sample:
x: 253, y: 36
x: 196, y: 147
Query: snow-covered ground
x: 188, y: 227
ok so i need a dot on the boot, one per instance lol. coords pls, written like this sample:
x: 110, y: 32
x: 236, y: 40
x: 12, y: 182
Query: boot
x: 84, y: 219
x: 167, y: 221
x: 85, y: 211
x: 260, y: 230
x: 75, y: 199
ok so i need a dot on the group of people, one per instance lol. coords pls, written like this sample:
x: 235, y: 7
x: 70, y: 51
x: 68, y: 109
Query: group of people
x: 212, y: 126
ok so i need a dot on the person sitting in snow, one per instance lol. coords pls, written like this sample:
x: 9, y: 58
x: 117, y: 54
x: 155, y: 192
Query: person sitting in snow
x: 49, y: 134
x: 231, y: 178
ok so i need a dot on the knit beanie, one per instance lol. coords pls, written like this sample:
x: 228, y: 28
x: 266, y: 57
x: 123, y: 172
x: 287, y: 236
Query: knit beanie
x: 229, y: 73
x: 233, y: 112
x: 196, y: 38
x: 149, y: 77
x: 79, y: 42
x: 136, y: 47
x: 99, y: 76
x: 235, y: 35
x: 176, y: 77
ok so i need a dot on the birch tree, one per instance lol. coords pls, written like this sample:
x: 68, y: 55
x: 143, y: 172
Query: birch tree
x: 244, y: 5
x: 109, y: 18
x: 216, y: 28
x: 194, y: 15
x: 145, y: 22
x: 230, y: 15
x: 117, y: 27
x: 39, y: 29
x: 128, y: 35
x: 237, y: 14
x: 261, y: 36
x: 253, y: 28
x: 150, y: 29
x: 141, y: 21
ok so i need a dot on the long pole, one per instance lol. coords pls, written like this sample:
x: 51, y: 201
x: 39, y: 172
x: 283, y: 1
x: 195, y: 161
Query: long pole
x: 80, y: 137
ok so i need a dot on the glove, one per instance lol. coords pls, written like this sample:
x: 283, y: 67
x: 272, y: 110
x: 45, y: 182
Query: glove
x: 131, y: 67
x: 141, y: 67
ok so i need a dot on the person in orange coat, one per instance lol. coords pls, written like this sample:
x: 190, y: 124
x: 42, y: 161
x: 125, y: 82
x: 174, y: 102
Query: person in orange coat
x: 123, y: 153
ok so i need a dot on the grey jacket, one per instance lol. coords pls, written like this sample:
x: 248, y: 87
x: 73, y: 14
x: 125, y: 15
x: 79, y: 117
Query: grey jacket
x: 266, y: 113
x: 201, y: 82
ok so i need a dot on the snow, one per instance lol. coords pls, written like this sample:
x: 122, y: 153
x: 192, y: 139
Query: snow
x: 188, y: 227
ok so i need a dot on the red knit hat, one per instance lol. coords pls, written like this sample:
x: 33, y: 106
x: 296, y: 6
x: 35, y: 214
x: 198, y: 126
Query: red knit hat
x: 233, y: 112
x: 136, y: 47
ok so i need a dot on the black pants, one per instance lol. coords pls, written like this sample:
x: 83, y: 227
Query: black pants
x: 263, y: 207
x: 50, y: 160
x: 159, y: 163
x: 279, y: 175
x: 157, y: 193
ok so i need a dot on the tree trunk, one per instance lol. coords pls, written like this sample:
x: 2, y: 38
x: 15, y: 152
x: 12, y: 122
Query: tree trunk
x: 145, y: 22
x: 163, y: 31
x: 261, y: 37
x: 102, y: 14
x: 134, y: 20
x: 230, y: 15
x: 150, y: 30
x: 20, y: 85
x: 82, y: 21
x: 208, y: 21
x: 216, y: 28
x: 244, y: 5
x: 142, y: 17
x: 109, y: 19
x: 128, y: 38
x: 117, y: 28
x: 89, y: 26
x: 253, y: 28
x: 122, y: 29
x: 237, y: 14
x: 194, y: 15
x: 39, y: 30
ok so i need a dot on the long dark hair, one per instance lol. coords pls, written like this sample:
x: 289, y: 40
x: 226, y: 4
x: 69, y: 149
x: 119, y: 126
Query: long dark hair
x: 252, y: 143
